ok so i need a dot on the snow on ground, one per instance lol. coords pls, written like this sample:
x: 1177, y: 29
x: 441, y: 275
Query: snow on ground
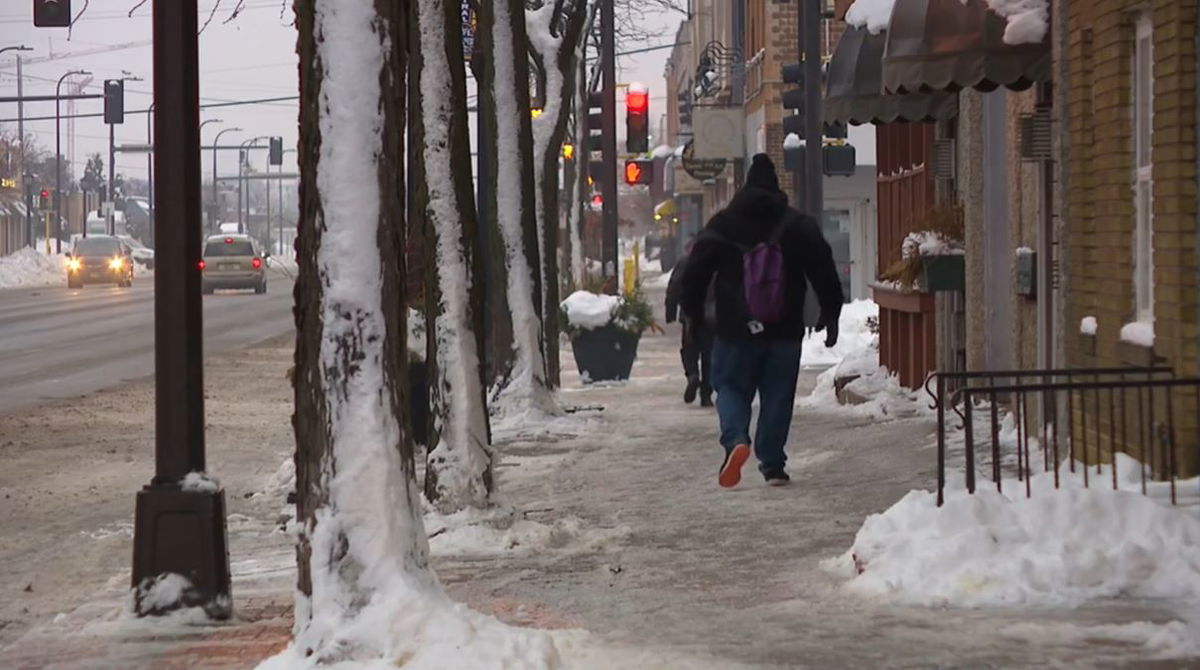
x: 854, y: 334
x: 660, y: 281
x: 1062, y: 547
x: 163, y: 592
x: 32, y: 267
x: 1162, y: 641
x: 503, y: 530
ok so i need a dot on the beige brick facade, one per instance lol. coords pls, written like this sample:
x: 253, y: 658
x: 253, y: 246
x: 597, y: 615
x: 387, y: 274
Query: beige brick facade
x: 1100, y: 196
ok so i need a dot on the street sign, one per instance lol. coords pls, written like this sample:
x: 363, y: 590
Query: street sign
x: 701, y: 169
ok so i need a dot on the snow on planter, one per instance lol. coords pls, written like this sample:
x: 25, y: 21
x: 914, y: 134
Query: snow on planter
x: 586, y: 310
x: 1060, y: 547
x: 1028, y: 20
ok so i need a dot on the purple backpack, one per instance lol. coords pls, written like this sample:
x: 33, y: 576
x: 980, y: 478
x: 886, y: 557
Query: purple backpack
x: 764, y: 279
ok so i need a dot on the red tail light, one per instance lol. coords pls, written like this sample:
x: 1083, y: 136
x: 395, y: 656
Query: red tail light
x: 200, y: 265
x: 256, y: 263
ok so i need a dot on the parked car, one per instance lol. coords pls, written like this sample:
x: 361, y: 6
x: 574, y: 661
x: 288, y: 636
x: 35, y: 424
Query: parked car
x: 233, y: 262
x: 99, y: 259
x: 141, y: 254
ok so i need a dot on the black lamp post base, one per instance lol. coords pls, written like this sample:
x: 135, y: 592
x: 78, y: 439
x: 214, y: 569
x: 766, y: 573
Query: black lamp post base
x: 179, y: 532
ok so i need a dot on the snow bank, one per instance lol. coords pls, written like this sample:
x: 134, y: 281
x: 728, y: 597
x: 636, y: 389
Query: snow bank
x: 590, y: 310
x: 32, y: 267
x: 854, y: 335
x: 1140, y: 333
x: 1088, y: 325
x: 1059, y: 547
x: 874, y: 15
x: 162, y: 592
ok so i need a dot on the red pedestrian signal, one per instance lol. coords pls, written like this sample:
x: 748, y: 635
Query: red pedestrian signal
x: 639, y: 172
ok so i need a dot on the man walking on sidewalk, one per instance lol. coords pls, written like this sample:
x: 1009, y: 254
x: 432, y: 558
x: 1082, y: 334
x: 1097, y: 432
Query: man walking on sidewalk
x: 760, y: 251
x: 696, y: 346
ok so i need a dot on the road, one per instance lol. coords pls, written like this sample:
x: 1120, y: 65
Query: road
x: 60, y: 343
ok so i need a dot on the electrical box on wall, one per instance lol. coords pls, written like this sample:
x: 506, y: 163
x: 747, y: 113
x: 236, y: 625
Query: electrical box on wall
x: 1026, y: 273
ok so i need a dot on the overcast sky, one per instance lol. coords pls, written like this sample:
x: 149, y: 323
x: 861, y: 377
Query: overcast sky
x: 250, y: 57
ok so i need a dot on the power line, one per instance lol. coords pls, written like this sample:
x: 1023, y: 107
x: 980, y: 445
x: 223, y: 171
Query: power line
x: 211, y: 105
x: 124, y: 15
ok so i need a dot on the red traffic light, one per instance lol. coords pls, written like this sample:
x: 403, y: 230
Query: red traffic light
x: 597, y: 200
x: 639, y: 172
x: 637, y: 101
x: 45, y: 193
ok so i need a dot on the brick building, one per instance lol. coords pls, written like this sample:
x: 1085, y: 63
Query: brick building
x: 1131, y: 186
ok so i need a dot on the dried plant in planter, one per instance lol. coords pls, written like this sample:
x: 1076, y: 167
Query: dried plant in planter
x: 941, y: 233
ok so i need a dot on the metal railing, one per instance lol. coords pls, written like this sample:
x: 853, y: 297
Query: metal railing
x: 1095, y: 400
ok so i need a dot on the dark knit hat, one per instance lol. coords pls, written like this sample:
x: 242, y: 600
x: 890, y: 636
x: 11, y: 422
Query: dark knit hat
x: 762, y: 173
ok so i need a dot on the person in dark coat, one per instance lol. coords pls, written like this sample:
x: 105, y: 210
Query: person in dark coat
x: 696, y: 346
x: 750, y: 357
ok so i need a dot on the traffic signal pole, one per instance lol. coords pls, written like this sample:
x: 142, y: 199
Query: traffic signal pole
x: 180, y: 521
x: 810, y: 46
x: 609, y: 215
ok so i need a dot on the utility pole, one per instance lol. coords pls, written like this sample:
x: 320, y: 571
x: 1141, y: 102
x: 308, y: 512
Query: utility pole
x: 112, y: 167
x: 150, y: 172
x: 610, y: 255
x: 810, y: 48
x: 179, y: 529
x: 28, y: 188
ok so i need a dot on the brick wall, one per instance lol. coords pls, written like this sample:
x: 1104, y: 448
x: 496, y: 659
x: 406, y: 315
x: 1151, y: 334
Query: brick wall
x: 1100, y: 176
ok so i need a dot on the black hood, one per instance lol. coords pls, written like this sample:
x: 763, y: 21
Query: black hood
x: 751, y: 215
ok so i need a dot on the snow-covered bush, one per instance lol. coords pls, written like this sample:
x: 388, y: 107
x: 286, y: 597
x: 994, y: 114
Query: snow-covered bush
x: 584, y: 310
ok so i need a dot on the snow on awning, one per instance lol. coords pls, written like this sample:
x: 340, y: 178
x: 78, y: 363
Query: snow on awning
x: 950, y: 45
x: 854, y: 90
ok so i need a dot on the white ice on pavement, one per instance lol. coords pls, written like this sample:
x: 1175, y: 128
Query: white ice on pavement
x: 589, y: 310
x: 1061, y: 547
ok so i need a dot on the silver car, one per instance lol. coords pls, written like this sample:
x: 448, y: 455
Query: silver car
x: 234, y: 262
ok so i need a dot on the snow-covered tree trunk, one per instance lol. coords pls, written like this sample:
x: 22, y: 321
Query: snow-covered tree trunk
x: 578, y: 268
x: 361, y: 529
x: 506, y: 76
x: 554, y: 52
x: 458, y: 471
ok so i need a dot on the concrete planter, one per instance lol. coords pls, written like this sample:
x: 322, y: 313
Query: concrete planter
x: 604, y: 354
x: 944, y: 272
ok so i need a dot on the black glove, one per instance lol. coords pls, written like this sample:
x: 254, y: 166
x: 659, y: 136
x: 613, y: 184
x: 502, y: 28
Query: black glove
x: 670, y: 316
x: 830, y: 326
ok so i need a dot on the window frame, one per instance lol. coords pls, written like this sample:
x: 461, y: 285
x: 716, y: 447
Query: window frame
x: 1142, y: 127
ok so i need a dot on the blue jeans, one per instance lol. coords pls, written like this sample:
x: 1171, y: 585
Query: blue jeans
x: 769, y: 368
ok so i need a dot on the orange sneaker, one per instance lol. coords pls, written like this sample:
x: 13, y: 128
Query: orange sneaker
x: 731, y: 469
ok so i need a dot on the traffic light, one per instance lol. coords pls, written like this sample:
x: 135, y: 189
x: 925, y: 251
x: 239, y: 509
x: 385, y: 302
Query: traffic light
x: 276, y: 151
x: 597, y: 200
x: 595, y: 121
x: 44, y: 200
x: 114, y: 101
x: 52, y: 13
x: 637, y: 119
x: 793, y: 98
x: 639, y: 172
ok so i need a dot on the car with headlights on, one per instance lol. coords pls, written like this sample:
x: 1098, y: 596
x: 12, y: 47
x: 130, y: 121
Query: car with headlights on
x: 99, y: 259
x: 233, y: 262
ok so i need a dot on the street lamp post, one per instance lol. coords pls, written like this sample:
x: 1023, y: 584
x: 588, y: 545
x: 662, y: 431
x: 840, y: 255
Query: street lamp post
x: 243, y: 227
x: 25, y: 190
x: 112, y: 169
x: 212, y: 219
x: 211, y: 206
x: 58, y: 156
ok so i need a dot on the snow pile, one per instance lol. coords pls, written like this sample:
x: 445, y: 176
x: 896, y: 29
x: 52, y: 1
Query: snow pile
x: 1140, y: 333
x: 1028, y: 20
x: 588, y: 310
x: 854, y: 335
x: 162, y: 592
x: 505, y: 531
x: 1058, y: 547
x: 874, y: 15
x: 929, y: 243
x: 200, y: 482
x: 1088, y: 325
x: 661, y: 281
x: 32, y: 267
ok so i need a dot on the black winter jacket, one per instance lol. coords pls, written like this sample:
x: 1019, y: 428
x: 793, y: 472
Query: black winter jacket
x: 749, y: 219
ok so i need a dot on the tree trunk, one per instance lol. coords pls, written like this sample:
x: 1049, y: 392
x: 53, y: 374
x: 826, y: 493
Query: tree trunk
x: 458, y: 472
x: 357, y: 497
x: 555, y: 57
x: 506, y: 76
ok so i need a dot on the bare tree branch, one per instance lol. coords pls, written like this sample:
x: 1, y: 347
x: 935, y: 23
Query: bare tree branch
x: 137, y: 7
x: 237, y: 10
x: 211, y: 14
